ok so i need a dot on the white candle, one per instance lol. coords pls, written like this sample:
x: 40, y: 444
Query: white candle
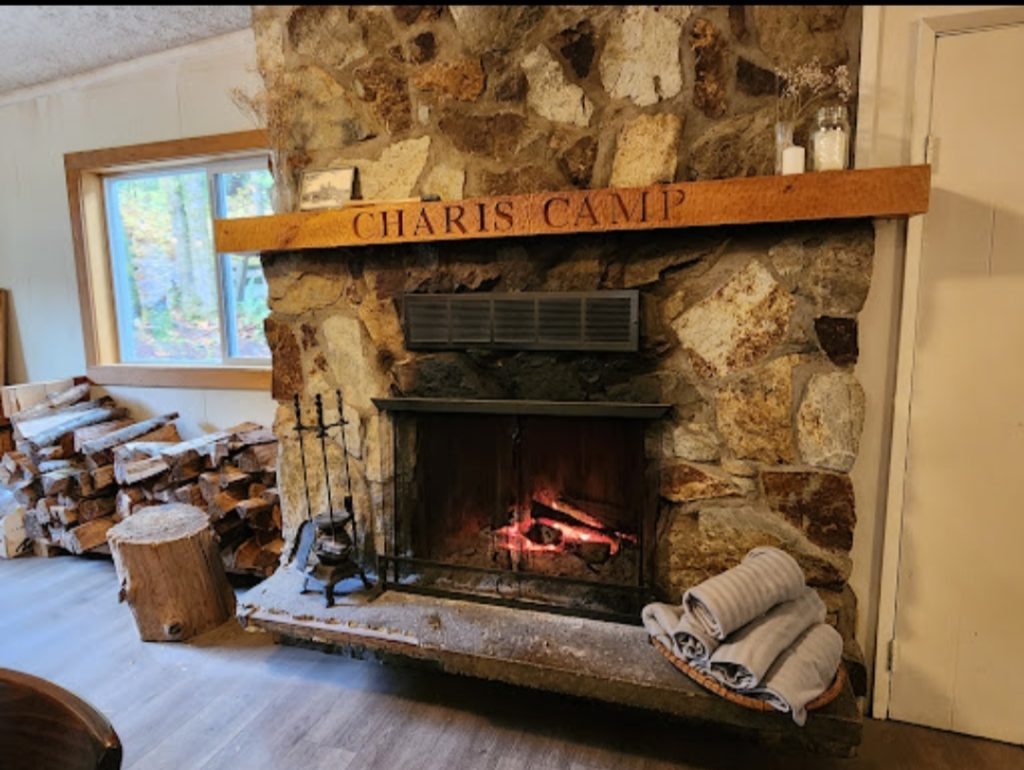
x: 830, y: 150
x: 793, y: 160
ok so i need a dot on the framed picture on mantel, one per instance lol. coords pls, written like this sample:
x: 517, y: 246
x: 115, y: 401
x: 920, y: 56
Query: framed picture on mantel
x: 326, y: 189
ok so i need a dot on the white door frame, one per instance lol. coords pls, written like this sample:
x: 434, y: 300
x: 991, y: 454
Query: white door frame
x: 930, y: 29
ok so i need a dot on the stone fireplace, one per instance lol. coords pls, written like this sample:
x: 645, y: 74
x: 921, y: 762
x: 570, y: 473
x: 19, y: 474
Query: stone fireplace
x: 477, y: 469
x: 747, y: 337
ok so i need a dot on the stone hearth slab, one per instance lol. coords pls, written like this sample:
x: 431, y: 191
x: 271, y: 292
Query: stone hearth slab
x: 576, y: 656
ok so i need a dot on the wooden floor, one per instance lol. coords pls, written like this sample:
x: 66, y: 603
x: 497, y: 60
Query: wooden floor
x: 235, y: 700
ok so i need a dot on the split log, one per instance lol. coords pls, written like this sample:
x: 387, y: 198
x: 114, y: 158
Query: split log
x: 171, y: 573
x: 231, y: 530
x: 258, y: 513
x: 103, y: 477
x: 66, y: 515
x: 258, y: 554
x: 126, y: 434
x: 53, y: 402
x: 140, y: 450
x: 13, y: 540
x: 167, y: 434
x: 85, y: 537
x: 126, y: 500
x: 189, y: 494
x: 46, y: 549
x: 50, y: 453
x: 27, y: 496
x: 20, y: 467
x: 82, y: 435
x: 212, y: 449
x: 58, y: 482
x: 139, y: 470
x: 209, y: 485
x: 45, y: 466
x: 255, y: 435
x: 261, y: 457
x: 222, y: 504
x: 96, y: 507
x: 60, y: 426
x: 83, y: 486
x: 34, y: 528
x: 186, y: 468
x: 228, y: 479
x: 26, y: 429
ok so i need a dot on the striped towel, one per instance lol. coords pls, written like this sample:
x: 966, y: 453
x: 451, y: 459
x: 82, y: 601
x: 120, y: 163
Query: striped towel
x: 765, y: 577
x: 803, y: 672
x: 694, y: 643
x: 661, y: 620
x: 678, y: 631
x: 742, y: 661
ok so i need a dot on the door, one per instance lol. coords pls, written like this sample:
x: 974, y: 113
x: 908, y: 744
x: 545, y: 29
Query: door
x: 958, y: 654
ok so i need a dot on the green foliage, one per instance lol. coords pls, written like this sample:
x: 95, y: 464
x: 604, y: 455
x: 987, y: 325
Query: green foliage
x: 165, y: 233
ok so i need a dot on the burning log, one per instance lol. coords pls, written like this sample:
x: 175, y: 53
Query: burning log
x: 555, y: 525
x: 543, y: 534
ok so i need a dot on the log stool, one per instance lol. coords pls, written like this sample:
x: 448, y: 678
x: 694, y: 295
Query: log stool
x: 171, y: 573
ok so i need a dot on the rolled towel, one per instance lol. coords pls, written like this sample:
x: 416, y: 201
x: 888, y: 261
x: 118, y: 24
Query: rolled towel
x: 694, y: 643
x: 803, y: 671
x: 742, y: 661
x: 765, y: 577
x: 661, y: 620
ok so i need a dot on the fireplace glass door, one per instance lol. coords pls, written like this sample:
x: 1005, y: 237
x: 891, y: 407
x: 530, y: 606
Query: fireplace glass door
x: 536, y: 510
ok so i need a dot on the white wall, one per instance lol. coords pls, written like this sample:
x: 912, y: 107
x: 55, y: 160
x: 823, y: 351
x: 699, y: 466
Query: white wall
x: 180, y: 93
x: 885, y: 113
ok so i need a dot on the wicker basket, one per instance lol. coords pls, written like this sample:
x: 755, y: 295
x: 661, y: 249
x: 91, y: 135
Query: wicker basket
x: 709, y: 683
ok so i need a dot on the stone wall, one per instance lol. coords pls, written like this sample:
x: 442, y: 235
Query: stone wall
x: 750, y: 333
x: 474, y: 100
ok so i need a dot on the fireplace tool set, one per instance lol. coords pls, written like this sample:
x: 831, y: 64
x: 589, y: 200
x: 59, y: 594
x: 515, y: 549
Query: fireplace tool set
x: 325, y: 545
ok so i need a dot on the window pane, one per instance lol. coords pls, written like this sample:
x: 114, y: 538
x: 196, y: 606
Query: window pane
x: 165, y: 274
x: 245, y: 193
x: 246, y: 299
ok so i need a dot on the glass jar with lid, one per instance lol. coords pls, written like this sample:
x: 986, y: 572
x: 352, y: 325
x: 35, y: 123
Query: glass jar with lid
x: 830, y: 140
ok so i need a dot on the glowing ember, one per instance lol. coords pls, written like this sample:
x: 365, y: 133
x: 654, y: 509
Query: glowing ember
x: 543, y: 534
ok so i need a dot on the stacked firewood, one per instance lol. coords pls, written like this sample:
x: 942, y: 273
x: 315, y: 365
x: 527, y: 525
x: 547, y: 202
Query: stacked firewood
x: 231, y: 474
x: 80, y: 466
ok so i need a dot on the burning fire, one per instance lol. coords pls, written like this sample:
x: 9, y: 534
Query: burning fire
x: 531, y: 533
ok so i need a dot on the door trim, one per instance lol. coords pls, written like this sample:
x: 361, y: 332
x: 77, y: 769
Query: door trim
x: 930, y: 29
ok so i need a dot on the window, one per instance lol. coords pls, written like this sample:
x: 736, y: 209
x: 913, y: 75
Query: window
x: 159, y: 306
x: 176, y: 300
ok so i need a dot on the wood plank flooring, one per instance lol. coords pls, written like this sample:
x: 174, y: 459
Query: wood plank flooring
x: 236, y: 700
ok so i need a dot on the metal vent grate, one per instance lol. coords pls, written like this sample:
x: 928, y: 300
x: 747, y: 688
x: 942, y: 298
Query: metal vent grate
x: 595, y: 320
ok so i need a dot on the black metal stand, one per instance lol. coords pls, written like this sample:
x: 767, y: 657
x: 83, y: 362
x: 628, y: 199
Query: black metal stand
x: 326, y: 543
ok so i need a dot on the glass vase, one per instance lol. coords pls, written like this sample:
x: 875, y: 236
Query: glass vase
x: 830, y: 141
x: 783, y: 139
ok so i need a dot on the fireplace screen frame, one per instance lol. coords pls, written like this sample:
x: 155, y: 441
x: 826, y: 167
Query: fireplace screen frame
x: 397, y: 571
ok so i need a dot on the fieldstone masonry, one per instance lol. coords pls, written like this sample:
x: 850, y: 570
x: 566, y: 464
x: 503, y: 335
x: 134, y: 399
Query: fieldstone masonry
x: 750, y: 333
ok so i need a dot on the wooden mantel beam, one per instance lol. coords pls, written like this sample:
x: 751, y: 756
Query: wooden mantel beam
x: 883, y: 192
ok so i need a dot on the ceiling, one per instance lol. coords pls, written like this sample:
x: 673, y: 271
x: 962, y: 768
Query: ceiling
x: 39, y: 43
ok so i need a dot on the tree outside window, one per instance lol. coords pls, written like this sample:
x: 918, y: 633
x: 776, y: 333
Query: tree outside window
x: 177, y: 301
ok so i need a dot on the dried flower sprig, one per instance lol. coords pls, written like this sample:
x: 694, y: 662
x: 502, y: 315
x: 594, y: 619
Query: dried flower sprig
x: 808, y: 85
